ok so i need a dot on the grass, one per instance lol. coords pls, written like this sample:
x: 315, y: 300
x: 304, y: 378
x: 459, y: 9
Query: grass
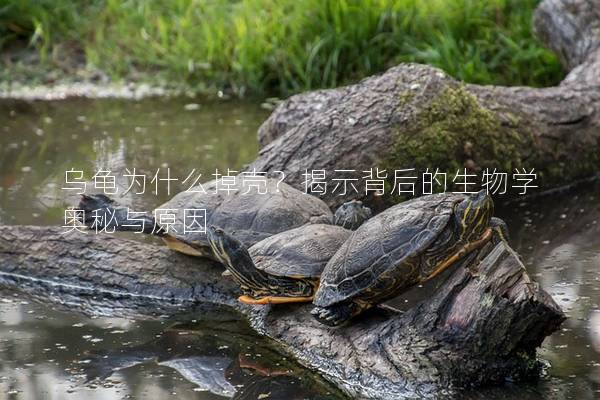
x: 280, y: 46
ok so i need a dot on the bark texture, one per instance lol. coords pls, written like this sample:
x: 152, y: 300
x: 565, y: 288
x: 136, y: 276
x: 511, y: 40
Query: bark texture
x: 415, y: 116
x: 482, y: 325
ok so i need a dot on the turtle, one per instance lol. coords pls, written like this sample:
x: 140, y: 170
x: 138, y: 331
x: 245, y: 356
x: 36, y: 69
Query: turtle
x: 352, y: 214
x: 248, y: 210
x: 404, y: 245
x: 284, y: 268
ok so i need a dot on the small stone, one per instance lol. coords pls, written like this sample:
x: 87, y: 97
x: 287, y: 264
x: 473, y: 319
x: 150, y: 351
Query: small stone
x: 192, y: 107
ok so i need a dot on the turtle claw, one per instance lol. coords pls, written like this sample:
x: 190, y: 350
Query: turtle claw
x: 227, y: 274
x: 332, y: 316
x: 473, y: 271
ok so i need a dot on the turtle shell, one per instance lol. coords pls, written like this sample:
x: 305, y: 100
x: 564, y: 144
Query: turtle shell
x: 250, y: 212
x: 383, y: 243
x: 299, y: 253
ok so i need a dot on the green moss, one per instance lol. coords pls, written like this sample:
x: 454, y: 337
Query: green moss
x: 526, y: 367
x: 562, y: 172
x: 455, y: 128
x: 405, y: 98
x: 513, y: 119
x: 455, y: 131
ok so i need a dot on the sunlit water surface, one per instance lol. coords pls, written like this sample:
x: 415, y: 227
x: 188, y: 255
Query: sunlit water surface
x: 52, y: 353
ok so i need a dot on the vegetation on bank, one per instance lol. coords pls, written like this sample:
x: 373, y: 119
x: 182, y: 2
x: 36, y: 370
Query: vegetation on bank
x: 271, y: 46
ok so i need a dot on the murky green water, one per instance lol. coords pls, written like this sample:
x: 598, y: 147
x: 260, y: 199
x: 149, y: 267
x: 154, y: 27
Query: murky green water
x: 40, y: 141
x: 47, y: 352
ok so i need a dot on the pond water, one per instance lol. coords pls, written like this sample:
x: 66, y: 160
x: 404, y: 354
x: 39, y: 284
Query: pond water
x: 47, y: 351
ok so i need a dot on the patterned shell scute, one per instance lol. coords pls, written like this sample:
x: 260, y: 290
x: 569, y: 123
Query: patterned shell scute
x: 247, y: 212
x: 301, y: 252
x: 382, y: 243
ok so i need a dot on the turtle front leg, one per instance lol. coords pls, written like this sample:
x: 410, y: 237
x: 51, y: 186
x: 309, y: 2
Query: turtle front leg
x: 339, y: 314
x: 281, y: 290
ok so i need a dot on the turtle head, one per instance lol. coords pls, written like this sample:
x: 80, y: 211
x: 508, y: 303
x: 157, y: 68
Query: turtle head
x: 95, y: 201
x: 95, y: 204
x: 352, y: 214
x: 473, y: 215
x: 222, y: 244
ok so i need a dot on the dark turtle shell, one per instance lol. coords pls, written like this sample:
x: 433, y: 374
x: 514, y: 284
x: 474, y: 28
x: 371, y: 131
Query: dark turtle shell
x: 299, y: 253
x: 382, y: 243
x: 247, y: 213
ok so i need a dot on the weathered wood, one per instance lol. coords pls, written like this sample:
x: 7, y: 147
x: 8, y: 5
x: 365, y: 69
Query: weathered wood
x: 415, y: 116
x: 482, y: 325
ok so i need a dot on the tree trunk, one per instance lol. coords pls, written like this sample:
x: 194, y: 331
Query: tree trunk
x: 481, y: 326
x: 415, y: 116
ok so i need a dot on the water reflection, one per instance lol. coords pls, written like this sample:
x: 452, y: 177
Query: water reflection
x: 50, y: 354
x: 227, y: 361
x: 39, y: 141
x: 559, y: 239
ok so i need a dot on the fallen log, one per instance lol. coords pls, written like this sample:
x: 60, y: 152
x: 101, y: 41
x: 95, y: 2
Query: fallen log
x: 415, y: 116
x: 482, y: 325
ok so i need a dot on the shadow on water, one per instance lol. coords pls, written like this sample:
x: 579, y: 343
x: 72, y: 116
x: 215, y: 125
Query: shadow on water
x: 48, y: 351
